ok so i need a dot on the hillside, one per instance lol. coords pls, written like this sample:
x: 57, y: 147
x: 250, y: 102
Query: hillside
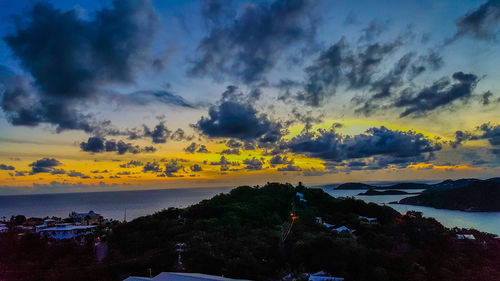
x: 475, y: 196
x: 238, y: 235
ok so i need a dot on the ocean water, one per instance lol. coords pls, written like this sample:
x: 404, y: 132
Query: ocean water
x: 144, y: 202
x: 483, y: 221
x: 109, y: 204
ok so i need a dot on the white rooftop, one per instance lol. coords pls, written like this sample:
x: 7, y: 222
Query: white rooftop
x: 178, y: 276
x: 68, y: 228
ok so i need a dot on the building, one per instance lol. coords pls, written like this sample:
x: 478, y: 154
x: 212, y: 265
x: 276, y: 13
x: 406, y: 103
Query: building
x: 318, y: 276
x: 465, y: 237
x: 301, y: 197
x: 3, y: 228
x: 86, y: 218
x: 323, y: 276
x: 65, y: 231
x: 368, y: 220
x: 178, y: 276
x: 343, y: 229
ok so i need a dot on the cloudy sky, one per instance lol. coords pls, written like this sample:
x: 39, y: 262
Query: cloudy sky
x: 105, y: 95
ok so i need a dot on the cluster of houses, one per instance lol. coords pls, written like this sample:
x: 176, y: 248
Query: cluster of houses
x: 76, y: 225
x: 344, y: 229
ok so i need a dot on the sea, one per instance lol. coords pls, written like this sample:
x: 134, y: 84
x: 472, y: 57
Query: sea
x: 128, y: 205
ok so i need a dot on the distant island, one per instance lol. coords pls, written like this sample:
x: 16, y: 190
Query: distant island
x: 471, y: 195
x: 373, y: 192
x: 446, y: 184
x: 359, y: 185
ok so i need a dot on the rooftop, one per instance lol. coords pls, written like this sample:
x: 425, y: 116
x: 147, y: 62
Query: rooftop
x: 177, y: 276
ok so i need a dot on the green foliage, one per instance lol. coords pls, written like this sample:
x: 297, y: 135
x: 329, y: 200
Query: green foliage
x: 237, y: 235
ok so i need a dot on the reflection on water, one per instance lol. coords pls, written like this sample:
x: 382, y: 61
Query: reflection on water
x: 483, y: 221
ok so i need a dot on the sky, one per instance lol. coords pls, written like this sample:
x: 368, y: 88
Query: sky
x: 135, y: 94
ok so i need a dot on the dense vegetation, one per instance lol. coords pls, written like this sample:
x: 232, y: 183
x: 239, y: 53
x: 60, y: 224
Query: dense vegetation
x: 474, y: 196
x: 238, y: 235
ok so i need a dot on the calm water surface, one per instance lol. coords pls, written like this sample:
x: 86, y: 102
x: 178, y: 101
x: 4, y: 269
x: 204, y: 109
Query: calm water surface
x: 109, y: 204
x: 145, y: 202
x: 483, y: 221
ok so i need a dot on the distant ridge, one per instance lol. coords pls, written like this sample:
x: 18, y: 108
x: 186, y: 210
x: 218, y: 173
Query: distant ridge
x: 465, y: 195
x: 446, y: 184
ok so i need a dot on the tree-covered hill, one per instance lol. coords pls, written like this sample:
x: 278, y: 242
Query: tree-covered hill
x: 238, y: 235
x: 475, y: 196
x: 246, y: 234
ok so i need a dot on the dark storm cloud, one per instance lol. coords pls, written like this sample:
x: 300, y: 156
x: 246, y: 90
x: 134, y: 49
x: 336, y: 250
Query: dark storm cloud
x: 179, y: 135
x: 253, y: 164
x: 299, y: 115
x: 217, y: 12
x: 249, y: 46
x: 461, y: 137
x: 234, y: 151
x: 224, y: 164
x: 76, y: 174
x: 7, y: 167
x: 279, y: 160
x: 332, y: 146
x: 289, y: 168
x: 486, y: 131
x: 98, y: 145
x: 154, y: 97
x: 374, y: 29
x: 44, y: 165
x: 389, y: 85
x: 159, y: 134
x: 132, y: 164
x: 236, y: 117
x: 234, y: 144
x: 172, y: 167
x: 485, y: 98
x: 152, y: 167
x: 342, y: 65
x: 441, y: 93
x: 196, y: 168
x: 194, y: 147
x: 481, y: 23
x: 69, y: 59
x: 58, y: 172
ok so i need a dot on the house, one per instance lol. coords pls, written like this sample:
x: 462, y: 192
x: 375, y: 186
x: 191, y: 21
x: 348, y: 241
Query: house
x: 301, y: 197
x: 318, y: 276
x: 327, y: 225
x: 49, y: 222
x: 465, y: 237
x: 343, y: 229
x: 65, y: 231
x: 323, y: 276
x: 368, y: 220
x: 86, y: 218
x: 178, y: 276
x: 3, y: 229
